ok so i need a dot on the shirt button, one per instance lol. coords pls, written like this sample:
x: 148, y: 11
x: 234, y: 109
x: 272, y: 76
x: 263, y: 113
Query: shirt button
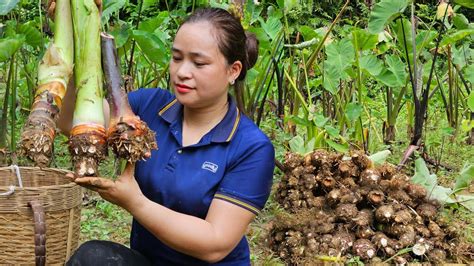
x: 180, y: 151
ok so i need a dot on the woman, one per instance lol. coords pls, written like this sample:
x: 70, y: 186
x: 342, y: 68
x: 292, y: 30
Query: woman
x: 194, y: 198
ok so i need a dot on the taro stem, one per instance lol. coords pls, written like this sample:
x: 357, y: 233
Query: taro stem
x: 127, y: 135
x: 54, y: 72
x: 87, y: 142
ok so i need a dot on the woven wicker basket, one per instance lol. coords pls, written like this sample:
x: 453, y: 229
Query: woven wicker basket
x: 51, y: 234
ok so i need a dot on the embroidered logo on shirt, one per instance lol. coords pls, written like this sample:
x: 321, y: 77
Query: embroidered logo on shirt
x: 210, y: 166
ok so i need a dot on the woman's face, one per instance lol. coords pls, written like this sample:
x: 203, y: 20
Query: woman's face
x: 199, y: 72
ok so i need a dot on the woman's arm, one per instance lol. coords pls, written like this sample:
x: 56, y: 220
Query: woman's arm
x: 210, y: 239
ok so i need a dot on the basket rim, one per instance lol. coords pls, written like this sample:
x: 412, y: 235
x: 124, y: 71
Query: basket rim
x: 44, y: 169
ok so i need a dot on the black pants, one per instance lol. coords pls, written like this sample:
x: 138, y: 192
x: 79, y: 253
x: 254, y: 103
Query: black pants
x: 104, y: 253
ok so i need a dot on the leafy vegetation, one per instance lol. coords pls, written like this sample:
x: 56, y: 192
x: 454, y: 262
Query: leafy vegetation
x: 337, y: 75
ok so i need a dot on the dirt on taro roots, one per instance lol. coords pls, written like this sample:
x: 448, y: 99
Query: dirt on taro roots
x: 341, y: 207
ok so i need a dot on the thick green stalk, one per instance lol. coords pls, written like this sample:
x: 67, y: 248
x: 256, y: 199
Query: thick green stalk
x: 3, y: 120
x: 87, y: 142
x: 88, y: 68
x: 54, y: 72
x: 13, y: 109
x: 393, y: 109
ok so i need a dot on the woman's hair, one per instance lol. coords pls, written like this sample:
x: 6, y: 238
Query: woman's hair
x: 233, y: 42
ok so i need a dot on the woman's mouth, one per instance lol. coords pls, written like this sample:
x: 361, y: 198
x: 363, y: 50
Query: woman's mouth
x: 181, y: 88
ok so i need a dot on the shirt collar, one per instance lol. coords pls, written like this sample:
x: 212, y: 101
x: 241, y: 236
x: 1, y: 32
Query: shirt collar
x: 222, y: 132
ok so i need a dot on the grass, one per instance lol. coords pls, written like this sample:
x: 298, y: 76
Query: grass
x: 105, y: 221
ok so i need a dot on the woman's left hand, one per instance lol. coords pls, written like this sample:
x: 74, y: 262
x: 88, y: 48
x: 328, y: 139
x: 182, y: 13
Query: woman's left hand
x: 124, y: 191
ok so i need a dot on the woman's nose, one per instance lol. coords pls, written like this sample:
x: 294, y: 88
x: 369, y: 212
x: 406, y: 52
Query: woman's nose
x: 184, y: 70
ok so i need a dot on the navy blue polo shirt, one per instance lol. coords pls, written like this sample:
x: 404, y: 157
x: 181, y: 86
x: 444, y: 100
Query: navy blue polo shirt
x: 233, y: 162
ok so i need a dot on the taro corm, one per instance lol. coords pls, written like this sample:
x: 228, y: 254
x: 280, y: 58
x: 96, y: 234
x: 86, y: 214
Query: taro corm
x: 54, y: 72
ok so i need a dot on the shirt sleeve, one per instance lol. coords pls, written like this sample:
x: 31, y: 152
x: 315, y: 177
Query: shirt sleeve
x: 140, y: 100
x: 134, y: 99
x: 248, y: 183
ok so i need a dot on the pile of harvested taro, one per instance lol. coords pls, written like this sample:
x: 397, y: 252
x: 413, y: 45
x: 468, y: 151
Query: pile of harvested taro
x: 341, y: 207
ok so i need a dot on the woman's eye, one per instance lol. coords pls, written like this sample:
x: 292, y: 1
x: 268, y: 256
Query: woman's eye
x: 176, y: 58
x: 200, y: 64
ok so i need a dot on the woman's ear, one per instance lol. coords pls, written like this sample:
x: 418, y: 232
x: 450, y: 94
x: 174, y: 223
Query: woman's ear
x: 234, y: 71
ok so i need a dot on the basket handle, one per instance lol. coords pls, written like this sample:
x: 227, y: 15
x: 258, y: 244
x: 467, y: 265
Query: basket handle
x: 40, y: 232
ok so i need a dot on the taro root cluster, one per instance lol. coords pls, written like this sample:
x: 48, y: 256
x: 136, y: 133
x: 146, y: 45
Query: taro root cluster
x: 341, y: 206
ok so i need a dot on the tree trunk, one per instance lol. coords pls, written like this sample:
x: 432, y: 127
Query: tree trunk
x: 389, y: 133
x: 470, y: 139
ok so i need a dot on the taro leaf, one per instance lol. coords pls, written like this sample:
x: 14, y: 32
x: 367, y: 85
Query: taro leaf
x: 353, y: 111
x: 340, y: 54
x: 297, y: 145
x: 423, y: 38
x: 163, y: 35
x: 460, y: 21
x: 9, y: 46
x: 456, y: 36
x: 109, y: 8
x: 121, y: 35
x: 273, y: 11
x: 32, y: 34
x: 331, y: 77
x: 470, y: 99
x: 272, y: 26
x: 430, y: 183
x: 264, y: 41
x: 423, y: 177
x: 442, y: 194
x: 384, y: 12
x: 10, y: 28
x: 332, y: 131
x: 148, y: 3
x: 469, y: 74
x: 399, y: 29
x: 466, y: 200
x: 298, y: 120
x: 365, y: 40
x: 290, y: 4
x: 462, y: 55
x: 339, y: 57
x: 380, y: 157
x: 465, y: 3
x: 371, y: 64
x: 319, y: 120
x: 395, y: 74
x: 308, y: 33
x: 309, y: 147
x: 154, y: 23
x: 465, y: 177
x: 7, y: 6
x: 151, y: 46
x: 338, y: 147
x: 253, y: 11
